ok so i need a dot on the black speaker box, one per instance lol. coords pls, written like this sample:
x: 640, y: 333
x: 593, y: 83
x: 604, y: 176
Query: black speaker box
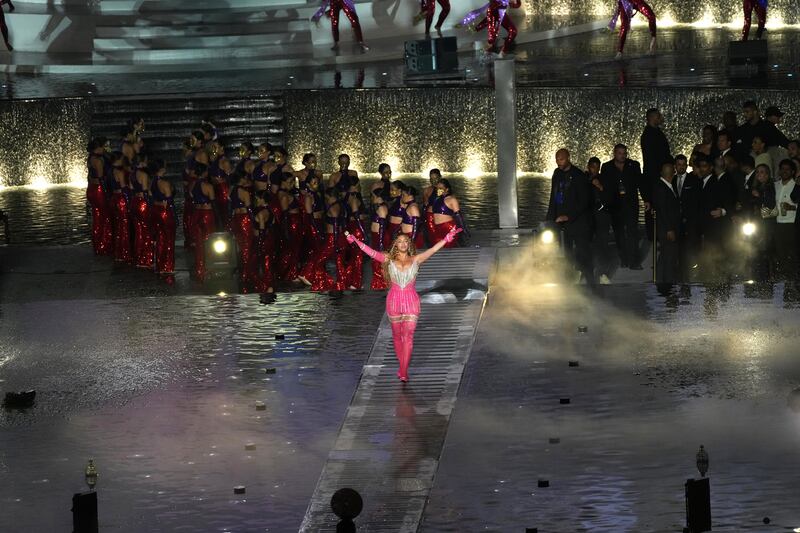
x: 84, y: 512
x: 425, y: 47
x: 747, y: 59
x: 698, y: 505
x: 429, y: 56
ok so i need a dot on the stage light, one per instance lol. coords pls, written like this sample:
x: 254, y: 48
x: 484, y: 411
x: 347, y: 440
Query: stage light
x: 220, y: 246
x: 748, y: 229
x: 548, y: 236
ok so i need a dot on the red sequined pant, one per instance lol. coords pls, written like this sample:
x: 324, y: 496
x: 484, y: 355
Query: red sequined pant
x: 163, y: 225
x: 354, y: 259
x: 493, y: 24
x: 289, y: 255
x: 142, y: 238
x: 242, y: 228
x: 443, y: 229
x: 262, y: 260
x: 102, y: 229
x: 378, y: 281
x: 202, y: 224
x: 122, y: 228
x: 320, y: 279
x: 352, y: 16
x: 761, y: 13
x: 625, y: 21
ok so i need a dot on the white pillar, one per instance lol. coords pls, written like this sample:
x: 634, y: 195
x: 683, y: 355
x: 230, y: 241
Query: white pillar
x: 506, y: 116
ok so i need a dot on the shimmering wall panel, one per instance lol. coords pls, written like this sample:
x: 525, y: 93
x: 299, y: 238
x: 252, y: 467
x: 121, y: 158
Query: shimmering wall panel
x: 411, y: 129
x: 414, y: 129
x: 43, y: 141
x: 719, y: 11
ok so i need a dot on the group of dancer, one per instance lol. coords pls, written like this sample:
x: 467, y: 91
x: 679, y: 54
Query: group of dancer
x: 288, y: 224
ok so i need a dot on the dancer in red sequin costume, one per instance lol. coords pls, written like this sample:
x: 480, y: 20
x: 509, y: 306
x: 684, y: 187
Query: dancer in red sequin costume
x: 427, y: 10
x: 446, y: 212
x: 102, y: 230
x: 412, y: 217
x: 203, y: 220
x: 331, y: 247
x: 292, y: 224
x: 264, y: 233
x: 120, y: 202
x: 242, y: 228
x: 331, y: 9
x: 162, y: 217
x: 760, y: 7
x: 143, y: 254
x: 379, y: 234
x: 355, y: 217
x: 496, y: 16
x: 625, y: 11
x: 313, y: 207
x: 428, y: 196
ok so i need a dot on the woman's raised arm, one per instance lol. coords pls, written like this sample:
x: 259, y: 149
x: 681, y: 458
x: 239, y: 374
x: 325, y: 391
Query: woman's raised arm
x: 450, y: 237
x: 374, y: 254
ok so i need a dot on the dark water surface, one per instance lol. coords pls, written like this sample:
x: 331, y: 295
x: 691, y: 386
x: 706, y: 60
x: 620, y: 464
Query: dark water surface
x: 58, y: 215
x: 161, y: 393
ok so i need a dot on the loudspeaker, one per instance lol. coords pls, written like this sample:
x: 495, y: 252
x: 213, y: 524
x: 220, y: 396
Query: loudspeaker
x: 698, y: 505
x: 747, y: 59
x: 431, y: 55
x: 84, y: 512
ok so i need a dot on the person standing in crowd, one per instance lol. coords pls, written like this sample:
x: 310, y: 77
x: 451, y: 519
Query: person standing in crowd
x: 264, y: 253
x: 341, y: 178
x: 604, y: 196
x: 725, y: 146
x: 655, y: 152
x: 120, y: 202
x: 774, y: 136
x: 102, y: 231
x: 716, y: 204
x: 379, y: 240
x: 785, y: 243
x: 667, y: 207
x: 708, y: 145
x: 140, y: 207
x: 687, y: 187
x: 203, y: 219
x: 446, y: 213
x: 411, y: 224
x: 759, y: 151
x: 241, y: 225
x: 626, y: 175
x: 762, y: 212
x: 163, y: 217
x: 753, y: 125
x: 246, y: 151
x: 355, y: 213
x: 428, y: 196
x: 570, y: 207
x: 730, y: 123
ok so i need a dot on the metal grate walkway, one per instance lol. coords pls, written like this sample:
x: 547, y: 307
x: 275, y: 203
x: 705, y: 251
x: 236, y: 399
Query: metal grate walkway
x: 389, y: 444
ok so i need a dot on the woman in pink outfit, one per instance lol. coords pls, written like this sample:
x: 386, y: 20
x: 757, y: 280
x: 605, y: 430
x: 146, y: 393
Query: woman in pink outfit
x: 400, y: 265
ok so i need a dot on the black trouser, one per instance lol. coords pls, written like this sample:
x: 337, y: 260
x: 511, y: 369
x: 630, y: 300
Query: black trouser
x: 689, y: 254
x: 648, y: 224
x: 578, y: 250
x: 602, y: 251
x: 667, y: 265
x: 626, y: 233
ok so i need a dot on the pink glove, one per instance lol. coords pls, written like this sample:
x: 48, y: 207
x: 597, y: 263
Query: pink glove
x: 349, y: 237
x: 451, y: 235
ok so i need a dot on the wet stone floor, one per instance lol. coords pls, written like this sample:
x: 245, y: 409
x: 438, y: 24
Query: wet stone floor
x: 657, y: 376
x: 162, y: 392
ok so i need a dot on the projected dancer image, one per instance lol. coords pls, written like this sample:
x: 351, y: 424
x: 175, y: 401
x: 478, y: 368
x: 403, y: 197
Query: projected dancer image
x: 426, y: 10
x: 496, y: 15
x: 331, y: 8
x: 400, y: 265
x: 3, y: 25
x: 625, y: 11
x: 760, y: 7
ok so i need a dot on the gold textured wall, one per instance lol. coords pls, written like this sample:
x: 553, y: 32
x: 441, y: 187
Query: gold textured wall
x: 453, y: 129
x: 43, y: 141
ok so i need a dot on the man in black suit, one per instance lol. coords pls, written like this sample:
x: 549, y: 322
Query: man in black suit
x: 605, y: 193
x: 626, y: 175
x: 688, y: 187
x: 655, y: 152
x: 571, y: 208
x: 716, y: 207
x: 753, y: 126
x: 667, y: 207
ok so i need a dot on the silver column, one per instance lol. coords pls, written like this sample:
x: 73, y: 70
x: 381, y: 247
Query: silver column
x: 506, y: 116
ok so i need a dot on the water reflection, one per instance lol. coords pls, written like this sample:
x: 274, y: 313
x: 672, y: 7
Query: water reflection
x: 58, y: 215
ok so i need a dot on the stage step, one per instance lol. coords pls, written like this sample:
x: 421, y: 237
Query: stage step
x: 200, y: 43
x: 193, y: 55
x: 170, y: 119
x: 193, y: 31
x: 155, y: 6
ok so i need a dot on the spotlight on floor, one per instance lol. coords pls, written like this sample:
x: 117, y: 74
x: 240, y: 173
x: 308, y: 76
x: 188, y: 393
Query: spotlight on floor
x: 220, y: 253
x: 548, y: 236
x: 748, y: 229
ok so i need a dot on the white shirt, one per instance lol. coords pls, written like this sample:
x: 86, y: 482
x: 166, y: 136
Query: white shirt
x: 783, y: 194
x: 679, y: 179
x: 747, y: 178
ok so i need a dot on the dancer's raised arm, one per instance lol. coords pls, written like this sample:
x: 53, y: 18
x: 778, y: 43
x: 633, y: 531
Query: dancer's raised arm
x: 450, y: 237
x: 374, y: 254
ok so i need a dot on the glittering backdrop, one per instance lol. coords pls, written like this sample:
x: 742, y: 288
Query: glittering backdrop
x: 453, y: 129
x: 43, y: 141
x: 684, y: 11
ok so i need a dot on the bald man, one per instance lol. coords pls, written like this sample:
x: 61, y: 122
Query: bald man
x: 571, y: 209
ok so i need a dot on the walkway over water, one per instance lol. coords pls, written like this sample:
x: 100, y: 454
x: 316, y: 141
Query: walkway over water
x: 389, y: 445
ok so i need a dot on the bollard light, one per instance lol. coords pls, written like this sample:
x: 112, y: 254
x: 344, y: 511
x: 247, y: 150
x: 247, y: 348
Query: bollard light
x: 548, y: 236
x: 748, y: 229
x: 91, y: 474
x: 220, y: 254
x: 220, y: 246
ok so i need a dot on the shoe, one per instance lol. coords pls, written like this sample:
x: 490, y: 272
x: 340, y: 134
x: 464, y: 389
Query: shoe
x: 304, y: 280
x: 604, y: 280
x: 439, y: 31
x: 335, y: 47
x: 10, y: 48
x: 364, y: 47
x: 404, y: 379
x: 618, y: 56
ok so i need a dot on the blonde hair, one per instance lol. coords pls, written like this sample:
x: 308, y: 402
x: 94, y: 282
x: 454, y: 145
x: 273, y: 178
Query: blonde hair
x: 391, y: 255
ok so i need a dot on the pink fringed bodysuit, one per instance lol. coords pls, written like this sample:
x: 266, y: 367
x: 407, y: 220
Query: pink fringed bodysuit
x: 402, y: 307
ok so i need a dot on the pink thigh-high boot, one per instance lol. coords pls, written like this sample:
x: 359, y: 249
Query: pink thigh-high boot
x: 403, y: 337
